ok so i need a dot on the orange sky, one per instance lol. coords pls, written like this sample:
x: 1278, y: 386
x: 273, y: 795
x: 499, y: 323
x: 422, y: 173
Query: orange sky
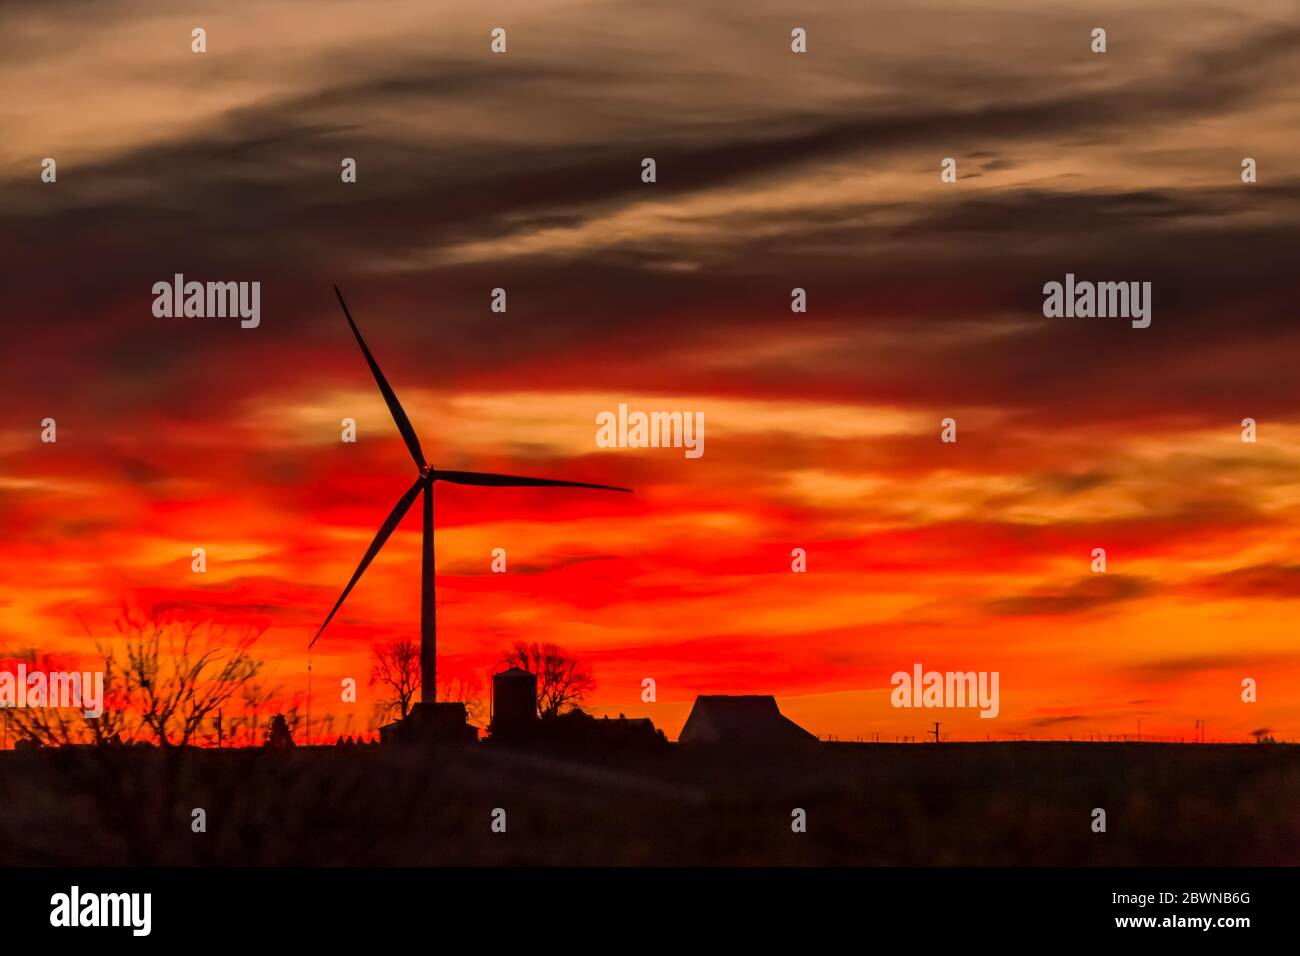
x: 822, y: 429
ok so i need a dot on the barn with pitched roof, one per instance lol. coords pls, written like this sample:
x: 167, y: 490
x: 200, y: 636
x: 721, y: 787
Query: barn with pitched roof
x: 747, y: 720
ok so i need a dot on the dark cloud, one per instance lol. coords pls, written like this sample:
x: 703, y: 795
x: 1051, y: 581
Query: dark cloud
x: 255, y: 193
x: 1090, y: 593
x: 1269, y: 581
x: 1057, y: 720
x: 1172, y: 668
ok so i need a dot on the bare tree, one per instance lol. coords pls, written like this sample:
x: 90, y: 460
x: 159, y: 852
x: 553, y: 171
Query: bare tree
x: 55, y: 727
x: 177, y: 674
x: 395, y: 667
x: 163, y: 679
x: 465, y: 690
x: 562, y: 682
x: 256, y: 696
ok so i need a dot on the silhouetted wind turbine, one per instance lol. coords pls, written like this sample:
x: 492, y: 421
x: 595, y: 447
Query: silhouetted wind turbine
x: 424, y: 484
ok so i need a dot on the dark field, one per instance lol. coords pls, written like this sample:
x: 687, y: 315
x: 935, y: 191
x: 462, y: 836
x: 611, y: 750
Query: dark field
x: 964, y: 804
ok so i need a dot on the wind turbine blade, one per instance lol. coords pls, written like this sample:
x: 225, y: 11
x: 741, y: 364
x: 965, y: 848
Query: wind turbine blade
x: 514, y: 481
x: 394, y: 406
x: 394, y: 519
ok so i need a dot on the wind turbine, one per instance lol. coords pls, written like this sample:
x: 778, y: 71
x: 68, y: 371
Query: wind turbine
x: 424, y: 486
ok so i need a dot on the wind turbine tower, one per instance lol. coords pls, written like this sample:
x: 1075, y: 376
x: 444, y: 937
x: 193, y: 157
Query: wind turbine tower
x: 422, y: 487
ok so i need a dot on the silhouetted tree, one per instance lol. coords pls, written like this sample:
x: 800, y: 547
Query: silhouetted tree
x: 256, y: 696
x: 278, y: 735
x: 178, y: 673
x: 56, y: 727
x: 163, y: 678
x: 561, y: 680
x: 395, y: 666
x: 465, y: 690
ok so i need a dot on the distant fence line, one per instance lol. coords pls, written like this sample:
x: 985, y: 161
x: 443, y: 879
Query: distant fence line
x: 882, y: 738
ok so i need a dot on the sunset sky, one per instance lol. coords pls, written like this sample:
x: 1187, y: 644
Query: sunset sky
x: 822, y: 430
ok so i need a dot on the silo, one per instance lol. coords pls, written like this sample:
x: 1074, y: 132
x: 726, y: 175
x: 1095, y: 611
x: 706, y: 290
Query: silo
x: 514, y: 701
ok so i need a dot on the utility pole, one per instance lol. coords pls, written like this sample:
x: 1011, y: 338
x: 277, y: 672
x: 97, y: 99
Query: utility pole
x: 936, y: 731
x: 307, y: 742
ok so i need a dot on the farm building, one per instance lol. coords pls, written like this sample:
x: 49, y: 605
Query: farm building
x: 750, y: 720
